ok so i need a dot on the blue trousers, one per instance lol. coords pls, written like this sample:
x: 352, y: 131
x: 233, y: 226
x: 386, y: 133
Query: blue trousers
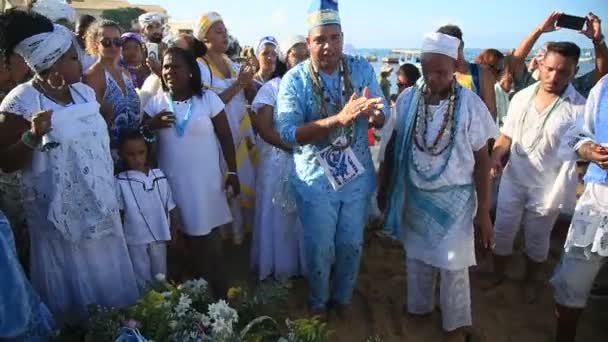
x: 333, y: 241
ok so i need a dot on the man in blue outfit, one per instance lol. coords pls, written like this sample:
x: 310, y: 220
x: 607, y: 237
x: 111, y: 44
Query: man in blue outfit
x: 325, y: 107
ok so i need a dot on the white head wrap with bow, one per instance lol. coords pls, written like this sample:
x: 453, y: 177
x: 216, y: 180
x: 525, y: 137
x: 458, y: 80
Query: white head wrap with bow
x: 43, y: 50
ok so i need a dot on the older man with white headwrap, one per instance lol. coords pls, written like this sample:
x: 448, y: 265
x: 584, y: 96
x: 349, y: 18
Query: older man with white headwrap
x: 440, y: 184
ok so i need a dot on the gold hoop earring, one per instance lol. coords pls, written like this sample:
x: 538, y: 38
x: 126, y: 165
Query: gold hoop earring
x: 54, y: 87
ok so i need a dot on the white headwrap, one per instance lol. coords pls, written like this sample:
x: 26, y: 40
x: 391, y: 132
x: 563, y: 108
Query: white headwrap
x: 290, y: 42
x: 441, y: 43
x: 270, y: 40
x: 55, y: 10
x: 150, y: 18
x: 41, y: 51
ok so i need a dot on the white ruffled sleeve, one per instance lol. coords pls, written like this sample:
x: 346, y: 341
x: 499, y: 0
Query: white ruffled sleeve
x: 23, y: 101
x: 267, y: 95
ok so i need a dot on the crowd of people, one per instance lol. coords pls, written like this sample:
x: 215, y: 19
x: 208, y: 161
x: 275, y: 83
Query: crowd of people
x: 109, y: 152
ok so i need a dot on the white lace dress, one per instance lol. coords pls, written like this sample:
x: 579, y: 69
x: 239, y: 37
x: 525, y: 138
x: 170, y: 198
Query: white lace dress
x: 277, y: 231
x: 78, y: 251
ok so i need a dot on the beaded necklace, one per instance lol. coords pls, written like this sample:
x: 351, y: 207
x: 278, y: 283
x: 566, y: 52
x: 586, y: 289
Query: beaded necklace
x: 422, y: 121
x: 450, y: 119
x: 520, y: 148
x: 320, y: 91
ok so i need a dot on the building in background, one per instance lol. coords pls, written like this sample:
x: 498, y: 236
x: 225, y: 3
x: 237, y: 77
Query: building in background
x: 91, y: 7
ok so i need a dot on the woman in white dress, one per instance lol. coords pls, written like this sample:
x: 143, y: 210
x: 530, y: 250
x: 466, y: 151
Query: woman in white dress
x: 276, y: 235
x: 192, y: 127
x: 232, y: 83
x: 78, y: 252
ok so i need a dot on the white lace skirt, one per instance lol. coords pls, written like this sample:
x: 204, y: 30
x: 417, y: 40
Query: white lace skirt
x: 277, y: 234
x: 70, y: 276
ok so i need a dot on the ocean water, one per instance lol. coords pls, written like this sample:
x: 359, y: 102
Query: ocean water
x: 470, y: 55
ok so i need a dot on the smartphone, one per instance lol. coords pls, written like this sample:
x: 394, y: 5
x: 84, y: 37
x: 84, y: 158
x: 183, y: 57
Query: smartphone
x: 571, y: 22
x: 152, y: 50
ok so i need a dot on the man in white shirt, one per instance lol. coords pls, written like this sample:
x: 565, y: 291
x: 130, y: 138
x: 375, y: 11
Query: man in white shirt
x: 437, y: 172
x: 586, y: 246
x: 536, y: 183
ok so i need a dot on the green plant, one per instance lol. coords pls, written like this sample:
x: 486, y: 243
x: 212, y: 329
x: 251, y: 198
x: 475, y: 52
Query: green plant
x: 308, y: 330
x: 123, y: 16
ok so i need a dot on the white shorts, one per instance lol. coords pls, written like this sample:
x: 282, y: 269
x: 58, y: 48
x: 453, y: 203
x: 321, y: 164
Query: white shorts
x: 454, y: 292
x: 574, y: 277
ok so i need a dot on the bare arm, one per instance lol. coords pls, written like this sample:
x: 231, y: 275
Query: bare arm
x: 481, y: 174
x: 601, y: 60
x: 227, y: 95
x: 482, y: 179
x: 488, y: 94
x: 176, y: 221
x: 500, y: 154
x: 265, y: 128
x: 593, y: 31
x: 518, y: 62
x: 385, y: 173
x: 14, y: 154
x: 224, y: 136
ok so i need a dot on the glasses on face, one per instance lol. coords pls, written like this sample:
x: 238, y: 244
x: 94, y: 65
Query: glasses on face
x: 108, y: 42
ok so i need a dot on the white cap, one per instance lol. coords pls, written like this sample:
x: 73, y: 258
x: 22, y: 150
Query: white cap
x: 441, y: 43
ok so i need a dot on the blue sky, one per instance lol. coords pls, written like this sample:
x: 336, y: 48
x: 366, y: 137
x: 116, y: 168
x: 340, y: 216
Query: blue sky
x: 394, y: 23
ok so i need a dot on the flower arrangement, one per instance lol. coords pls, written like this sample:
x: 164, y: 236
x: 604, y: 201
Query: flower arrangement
x: 168, y: 312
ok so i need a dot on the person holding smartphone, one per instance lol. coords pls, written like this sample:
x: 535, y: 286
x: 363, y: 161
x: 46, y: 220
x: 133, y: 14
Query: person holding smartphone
x: 536, y: 182
x: 592, y: 30
x: 152, y: 30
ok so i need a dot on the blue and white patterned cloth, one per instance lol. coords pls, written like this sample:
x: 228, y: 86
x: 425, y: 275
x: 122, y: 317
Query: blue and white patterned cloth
x: 23, y: 317
x: 125, y: 107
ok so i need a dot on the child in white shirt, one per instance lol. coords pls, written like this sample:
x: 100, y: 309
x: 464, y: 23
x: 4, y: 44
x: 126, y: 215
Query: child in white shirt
x: 148, y: 211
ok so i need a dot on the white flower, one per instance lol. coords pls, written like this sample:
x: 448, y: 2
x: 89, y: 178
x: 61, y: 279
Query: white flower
x: 222, y: 311
x: 195, y: 287
x: 160, y: 277
x: 183, y: 306
x: 222, y: 329
x: 172, y: 325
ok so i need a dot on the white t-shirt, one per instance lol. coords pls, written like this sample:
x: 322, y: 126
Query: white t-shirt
x: 192, y: 162
x: 146, y: 201
x: 540, y: 167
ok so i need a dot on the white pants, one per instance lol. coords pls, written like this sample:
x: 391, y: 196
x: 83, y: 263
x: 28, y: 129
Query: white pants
x: 518, y: 207
x: 454, y: 292
x: 148, y: 261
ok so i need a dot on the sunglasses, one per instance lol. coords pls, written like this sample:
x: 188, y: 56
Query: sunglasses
x: 107, y: 42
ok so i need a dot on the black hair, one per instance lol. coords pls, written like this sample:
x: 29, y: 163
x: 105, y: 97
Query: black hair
x: 566, y: 49
x: 411, y: 72
x: 198, y: 48
x: 280, y: 70
x: 83, y: 23
x: 17, y: 25
x: 129, y: 135
x: 451, y: 30
x: 188, y: 57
